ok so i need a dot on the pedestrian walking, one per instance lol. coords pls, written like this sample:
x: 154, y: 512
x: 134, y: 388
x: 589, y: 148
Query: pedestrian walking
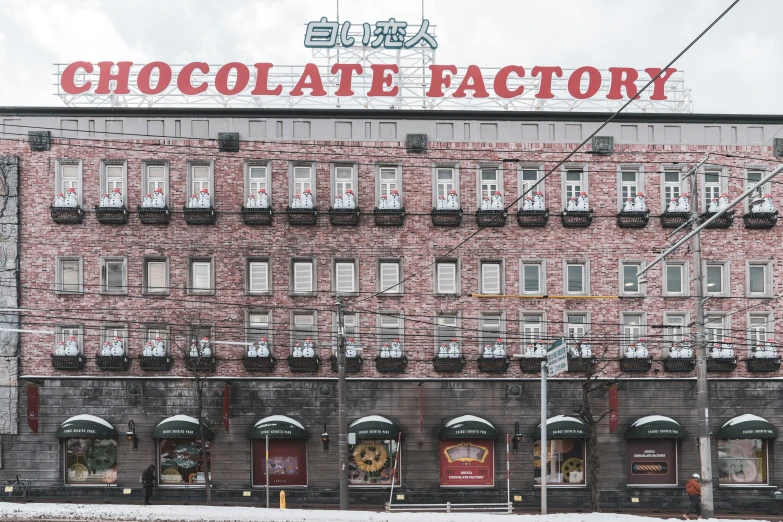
x: 693, y: 490
x: 148, y: 482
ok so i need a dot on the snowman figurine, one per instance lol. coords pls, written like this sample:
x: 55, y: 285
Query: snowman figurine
x: 297, y: 350
x: 674, y: 351
x: 71, y: 347
x: 715, y: 351
x: 106, y: 349
x: 497, y: 201
x: 582, y: 204
x: 759, y: 352
x: 540, y: 349
x: 628, y: 206
x: 147, y: 201
x: 308, y: 350
x: 630, y: 351
x: 538, y: 201
x: 727, y: 349
x: 350, y: 349
x: 263, y: 348
x: 59, y: 351
x: 106, y: 202
x: 349, y: 201
x: 204, y: 200
x: 499, y: 350
x: 686, y: 352
x: 193, y: 203
x: 573, y: 349
x: 158, y: 201
x: 443, y: 352
x: 487, y: 351
x: 485, y: 203
x: 251, y: 350
x: 307, y: 199
x: 672, y: 205
x: 723, y: 202
x: 251, y: 201
x: 383, y: 203
x: 385, y: 353
x: 713, y: 208
x: 454, y: 349
x: 770, y: 349
x: 158, y: 347
x: 586, y: 349
x: 571, y: 205
x: 441, y: 205
x: 116, y: 198
x: 59, y: 201
x: 396, y: 349
x: 530, y: 351
x: 147, y: 351
x: 527, y: 204
x: 641, y: 349
x: 338, y: 201
x: 394, y: 200
x: 205, y: 347
x: 639, y: 205
x: 263, y: 199
x: 193, y: 348
x: 117, y: 347
x: 70, y: 198
x: 452, y: 202
x: 684, y: 203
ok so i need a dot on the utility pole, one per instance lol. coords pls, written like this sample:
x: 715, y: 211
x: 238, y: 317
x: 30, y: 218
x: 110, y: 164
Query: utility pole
x: 542, y: 440
x: 342, y: 415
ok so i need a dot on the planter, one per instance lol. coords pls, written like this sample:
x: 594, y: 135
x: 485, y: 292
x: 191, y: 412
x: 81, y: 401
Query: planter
x: 391, y: 364
x: 636, y: 365
x: 532, y: 364
x: 448, y: 364
x: 533, y: 218
x: 110, y: 363
x: 155, y: 364
x: 258, y: 364
x: 633, y: 219
x: 200, y: 216
x: 576, y: 218
x: 304, y: 364
x: 385, y: 217
x: 352, y: 364
x: 674, y: 219
x: 446, y: 217
x: 256, y: 216
x: 302, y: 216
x: 344, y: 217
x: 722, y: 365
x: 154, y: 215
x: 764, y: 365
x: 67, y: 215
x: 724, y: 221
x: 580, y: 364
x: 494, y: 365
x: 679, y: 365
x: 491, y: 218
x: 760, y: 220
x: 67, y: 362
x: 202, y: 364
x: 112, y: 215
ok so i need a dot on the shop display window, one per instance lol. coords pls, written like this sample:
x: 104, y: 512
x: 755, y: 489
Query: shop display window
x: 742, y: 462
x: 565, y: 462
x: 90, y: 461
x: 370, y: 463
x: 287, y: 462
x: 180, y: 461
x: 465, y: 463
x: 651, y: 462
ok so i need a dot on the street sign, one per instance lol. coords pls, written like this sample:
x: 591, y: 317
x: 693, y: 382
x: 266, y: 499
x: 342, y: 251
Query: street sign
x: 557, y: 357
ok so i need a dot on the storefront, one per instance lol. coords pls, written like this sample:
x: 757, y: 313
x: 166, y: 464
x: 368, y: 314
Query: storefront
x: 180, y: 461
x: 651, y: 451
x: 373, y: 444
x: 467, y: 452
x: 89, y: 450
x: 743, y: 451
x: 287, y: 462
x: 565, y: 452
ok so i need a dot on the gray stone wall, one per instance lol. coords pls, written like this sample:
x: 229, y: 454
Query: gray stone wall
x: 9, y: 295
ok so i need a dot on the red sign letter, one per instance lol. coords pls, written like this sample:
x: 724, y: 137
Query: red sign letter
x: 262, y: 79
x: 660, y: 82
x: 501, y: 81
x: 617, y: 83
x: 105, y: 76
x: 472, y: 81
x: 593, y: 83
x: 438, y: 81
x: 183, y: 79
x: 67, y: 78
x: 221, y: 78
x: 545, y: 88
x: 380, y: 80
x: 164, y: 78
x: 314, y: 82
x: 346, y: 71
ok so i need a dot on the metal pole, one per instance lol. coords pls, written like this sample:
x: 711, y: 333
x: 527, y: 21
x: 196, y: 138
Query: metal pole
x: 702, y: 385
x: 508, y: 474
x: 266, y: 467
x: 342, y: 437
x: 543, y: 451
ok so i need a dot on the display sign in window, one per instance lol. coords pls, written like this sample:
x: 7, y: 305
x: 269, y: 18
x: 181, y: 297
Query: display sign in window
x: 651, y: 462
x: 466, y: 463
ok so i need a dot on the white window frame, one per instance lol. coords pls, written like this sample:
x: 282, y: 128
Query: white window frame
x: 769, y: 328
x: 484, y: 263
x: 152, y: 330
x: 725, y: 278
x: 766, y: 188
x: 105, y: 261
x: 301, y: 328
x: 498, y: 184
x: 59, y: 274
x: 397, y: 290
x: 642, y: 288
x: 385, y: 319
x: 110, y: 331
x: 686, y: 286
x: 146, y: 288
x: 532, y: 326
x: 78, y: 183
x: 313, y: 280
x: 123, y: 179
x: 669, y: 336
x: 337, y: 186
x: 252, y: 185
x: 571, y: 327
x: 352, y: 323
x: 353, y: 266
x: 523, y: 184
x: 541, y: 264
x: 767, y: 265
x: 442, y: 188
x: 441, y: 322
x: 679, y: 185
x: 710, y: 332
x: 209, y: 184
x: 294, y: 185
x: 443, y: 264
x: 632, y: 332
x: 638, y: 170
x: 63, y: 331
x: 565, y: 184
x: 384, y: 188
x: 585, y: 263
x: 192, y: 262
x: 163, y: 184
x: 485, y: 330
x: 253, y: 331
x: 721, y: 186
x: 264, y: 262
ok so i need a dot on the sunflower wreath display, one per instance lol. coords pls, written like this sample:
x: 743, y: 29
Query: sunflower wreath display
x: 101, y: 455
x: 572, y: 469
x: 370, y: 456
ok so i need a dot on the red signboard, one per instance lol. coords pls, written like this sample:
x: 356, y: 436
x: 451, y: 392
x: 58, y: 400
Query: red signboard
x: 467, y: 462
x: 32, y: 407
x: 226, y: 406
x: 613, y: 408
x: 287, y: 462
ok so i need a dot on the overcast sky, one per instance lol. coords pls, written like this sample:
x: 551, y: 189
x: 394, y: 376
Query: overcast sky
x: 735, y: 68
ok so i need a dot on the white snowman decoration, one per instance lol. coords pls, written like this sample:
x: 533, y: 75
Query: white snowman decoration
x: 630, y: 351
x: 385, y: 353
x: 158, y: 347
x: 499, y: 350
x: 106, y: 349
x: 452, y: 202
x: 251, y: 201
x: 193, y: 202
x: 193, y: 348
x: 639, y: 205
x: 350, y: 349
x: 573, y: 349
x: 117, y: 347
x: 59, y: 200
x: 263, y: 200
x: 727, y: 349
x: 768, y: 207
x: 60, y: 349
x: 307, y: 199
x: 686, y: 352
x: 441, y: 205
x: 297, y: 201
x: 349, y: 200
x: 628, y: 206
x: 713, y: 206
x: 641, y: 349
x: 540, y: 348
x: 527, y: 204
x: 338, y: 201
x: 770, y: 349
x: 297, y: 350
x: 158, y: 200
x: 116, y: 198
x: 396, y: 349
x: 672, y: 205
x: 586, y: 349
x: 486, y: 203
x: 205, y: 347
x: 497, y: 201
x: 674, y: 351
x: 263, y: 348
x: 759, y: 352
x: 251, y: 350
x: 454, y: 351
x: 394, y: 200
x: 530, y: 351
x: 443, y: 351
x: 723, y: 201
x: 582, y: 203
x: 70, y: 198
x: 308, y: 349
x: 715, y: 351
x: 147, y: 350
x: 204, y: 200
x: 571, y: 205
x: 71, y: 346
x: 684, y: 203
x: 106, y: 201
x: 538, y: 201
x: 147, y: 201
x: 487, y: 352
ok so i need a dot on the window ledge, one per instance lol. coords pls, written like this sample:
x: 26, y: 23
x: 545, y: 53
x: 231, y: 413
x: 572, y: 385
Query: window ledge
x: 67, y: 293
x: 303, y: 294
x: 386, y: 294
x: 114, y: 293
x: 202, y: 293
x: 447, y: 295
x: 346, y: 294
x: 259, y: 294
x: 765, y: 296
x: 153, y: 294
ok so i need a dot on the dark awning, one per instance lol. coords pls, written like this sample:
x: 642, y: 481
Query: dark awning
x: 562, y: 427
x: 86, y: 427
x: 747, y: 427
x: 180, y: 427
x: 374, y: 427
x: 277, y: 427
x: 655, y: 427
x: 468, y: 427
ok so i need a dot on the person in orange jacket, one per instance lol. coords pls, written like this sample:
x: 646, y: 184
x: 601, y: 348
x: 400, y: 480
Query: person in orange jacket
x: 693, y: 490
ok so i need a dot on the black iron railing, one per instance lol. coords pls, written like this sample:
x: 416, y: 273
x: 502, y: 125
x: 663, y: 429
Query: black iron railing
x: 257, y: 216
x: 154, y: 215
x: 112, y: 215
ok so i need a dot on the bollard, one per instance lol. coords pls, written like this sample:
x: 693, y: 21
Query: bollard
x: 282, y: 500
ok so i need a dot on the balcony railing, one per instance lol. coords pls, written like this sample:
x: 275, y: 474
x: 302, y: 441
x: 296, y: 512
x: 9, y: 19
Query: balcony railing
x: 302, y: 216
x: 633, y: 219
x: 67, y: 362
x: 687, y: 364
x: 67, y: 215
x: 201, y: 363
x: 343, y: 217
x: 112, y: 215
x: 533, y: 218
x: 154, y: 215
x: 200, y: 216
x: 153, y: 363
x: 112, y: 363
x: 723, y: 364
x: 391, y: 364
x: 491, y: 218
x: 580, y: 364
x: 446, y: 217
x: 389, y: 217
x: 448, y: 364
x: 533, y: 364
x: 259, y: 364
x: 674, y: 219
x: 771, y: 364
x: 256, y: 216
x: 636, y: 364
x: 760, y: 220
x: 352, y: 364
x: 304, y: 364
x: 494, y: 364
x: 724, y: 221
x: 576, y: 218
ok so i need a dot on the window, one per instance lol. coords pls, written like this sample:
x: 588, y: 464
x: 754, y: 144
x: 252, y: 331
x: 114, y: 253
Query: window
x: 672, y: 187
x: 490, y: 328
x: 153, y: 331
x: 389, y: 328
x: 759, y: 330
x: 351, y: 322
x: 742, y: 462
x: 577, y: 326
x: 304, y: 328
x: 490, y: 181
x: 303, y: 180
x: 467, y: 462
x: 344, y: 180
x: 258, y: 276
x: 651, y: 462
x: 258, y: 326
x: 90, y: 461
x: 565, y: 459
x: 69, y: 176
x: 675, y: 281
x: 532, y: 278
x: 156, y: 276
x: 156, y: 176
x: 446, y: 277
x: 114, y: 275
x: 574, y: 184
x: 113, y: 177
x: 629, y: 282
x: 759, y: 279
x: 576, y: 274
x: 389, y: 277
x: 345, y: 277
x: 201, y: 178
x: 287, y: 459
x: 302, y: 275
x: 446, y: 330
x: 717, y: 278
x: 491, y: 277
x: 532, y: 328
x: 109, y: 333
x: 632, y: 328
x: 630, y: 184
x: 715, y: 327
x: 64, y: 333
x: 69, y: 276
x: 200, y: 331
x: 445, y: 181
x: 752, y: 177
x: 377, y: 473
x: 675, y: 327
x: 389, y: 180
x: 713, y: 186
x: 201, y: 276
x: 257, y: 179
x: 529, y: 182
x: 180, y: 461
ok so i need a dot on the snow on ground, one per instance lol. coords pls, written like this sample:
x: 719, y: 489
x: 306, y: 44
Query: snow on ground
x: 102, y: 512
